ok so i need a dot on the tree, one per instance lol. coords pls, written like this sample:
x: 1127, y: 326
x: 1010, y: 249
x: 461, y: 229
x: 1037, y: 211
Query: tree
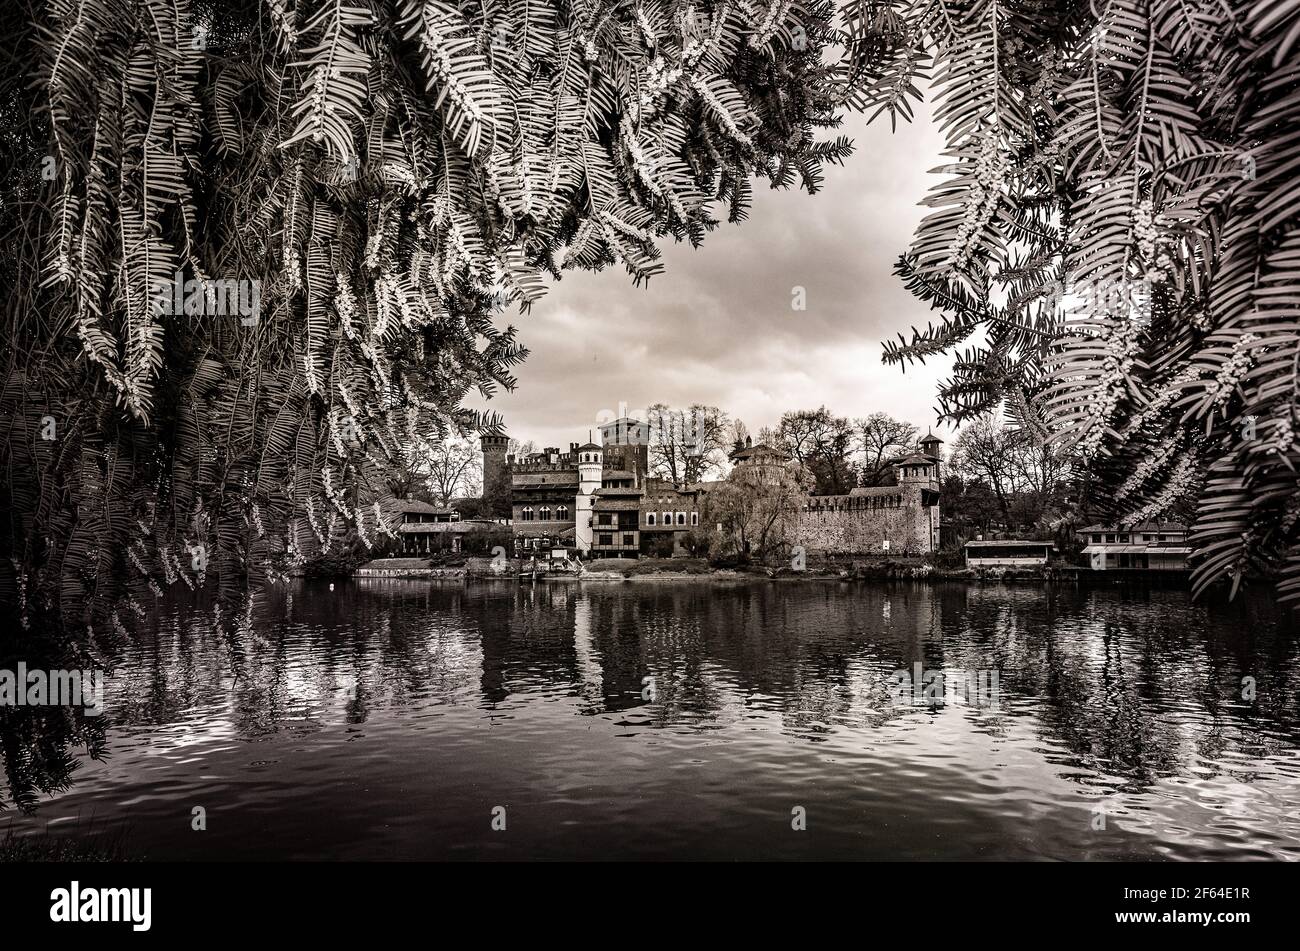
x: 757, y: 506
x: 820, y: 443
x: 969, y: 504
x: 257, y: 247
x: 1028, y: 479
x: 986, y: 452
x: 882, y: 439
x: 454, y: 469
x: 519, y: 449
x: 686, y: 446
x: 1119, y: 230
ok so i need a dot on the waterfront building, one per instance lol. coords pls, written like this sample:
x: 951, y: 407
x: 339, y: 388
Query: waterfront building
x: 900, y: 519
x: 1008, y: 553
x: 599, y: 499
x: 1148, y: 546
x: 426, y: 528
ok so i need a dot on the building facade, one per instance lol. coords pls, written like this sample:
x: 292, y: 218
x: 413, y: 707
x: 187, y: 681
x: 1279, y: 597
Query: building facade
x: 1149, y: 546
x: 599, y: 499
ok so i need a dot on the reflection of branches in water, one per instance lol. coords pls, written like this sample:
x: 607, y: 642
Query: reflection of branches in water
x: 1135, y: 687
x: 280, y: 665
x: 39, y: 746
x: 1118, y: 673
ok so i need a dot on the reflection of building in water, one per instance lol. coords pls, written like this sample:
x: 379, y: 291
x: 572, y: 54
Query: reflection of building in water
x: 591, y: 676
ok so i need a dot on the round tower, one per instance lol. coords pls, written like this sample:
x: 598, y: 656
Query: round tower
x: 590, y: 467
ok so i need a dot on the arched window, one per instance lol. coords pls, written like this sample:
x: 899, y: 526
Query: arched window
x: 546, y: 513
x: 649, y: 518
x: 668, y: 518
x: 562, y: 513
x: 681, y: 518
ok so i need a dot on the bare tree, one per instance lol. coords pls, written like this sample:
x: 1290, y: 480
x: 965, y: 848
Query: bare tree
x: 820, y: 443
x: 986, y: 451
x: 687, y: 445
x: 519, y: 448
x: 452, y: 468
x: 882, y: 438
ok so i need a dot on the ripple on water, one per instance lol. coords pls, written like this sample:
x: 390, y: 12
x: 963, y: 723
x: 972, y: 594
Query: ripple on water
x: 389, y: 721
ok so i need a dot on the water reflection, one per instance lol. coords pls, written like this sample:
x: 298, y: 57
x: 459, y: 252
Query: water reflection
x: 384, y: 718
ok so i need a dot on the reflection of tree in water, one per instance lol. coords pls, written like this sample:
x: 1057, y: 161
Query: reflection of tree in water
x: 1142, y: 685
x: 1125, y: 687
x: 40, y: 746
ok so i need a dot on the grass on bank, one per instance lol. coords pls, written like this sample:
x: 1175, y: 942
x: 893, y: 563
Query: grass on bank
x: 78, y: 845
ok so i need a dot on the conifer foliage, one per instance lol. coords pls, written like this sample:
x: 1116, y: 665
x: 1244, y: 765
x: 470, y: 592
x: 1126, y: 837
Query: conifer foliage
x: 373, y: 183
x: 1115, y: 243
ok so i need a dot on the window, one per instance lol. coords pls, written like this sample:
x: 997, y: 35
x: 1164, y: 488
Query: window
x: 649, y: 518
x: 1124, y: 539
x: 546, y: 513
x: 527, y: 514
x: 668, y: 518
x: 606, y: 539
x: 1110, y: 539
x: 695, y: 518
x: 562, y: 513
x: 681, y: 518
x: 1096, y: 538
x: 628, y: 541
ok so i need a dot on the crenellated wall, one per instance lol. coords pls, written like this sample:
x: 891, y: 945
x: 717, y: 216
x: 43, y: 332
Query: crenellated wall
x: 907, y: 516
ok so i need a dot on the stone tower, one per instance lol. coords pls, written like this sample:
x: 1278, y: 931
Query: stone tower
x: 627, y: 446
x: 930, y: 447
x: 590, y: 463
x: 496, y: 475
x: 918, y: 476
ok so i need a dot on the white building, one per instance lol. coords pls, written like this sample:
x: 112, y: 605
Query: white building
x: 1150, y: 546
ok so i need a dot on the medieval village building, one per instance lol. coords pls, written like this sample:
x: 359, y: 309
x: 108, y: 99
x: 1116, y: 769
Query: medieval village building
x: 600, y: 499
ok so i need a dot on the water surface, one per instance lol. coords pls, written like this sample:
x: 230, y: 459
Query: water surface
x: 388, y: 719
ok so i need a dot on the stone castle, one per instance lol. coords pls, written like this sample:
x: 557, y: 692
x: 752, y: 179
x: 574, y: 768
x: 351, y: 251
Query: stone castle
x: 600, y: 499
x: 892, y: 519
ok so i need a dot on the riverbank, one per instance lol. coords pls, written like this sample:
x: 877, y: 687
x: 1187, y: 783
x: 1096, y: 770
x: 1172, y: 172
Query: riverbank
x: 699, y: 569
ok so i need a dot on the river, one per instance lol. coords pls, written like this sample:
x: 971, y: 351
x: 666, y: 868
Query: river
x: 686, y: 719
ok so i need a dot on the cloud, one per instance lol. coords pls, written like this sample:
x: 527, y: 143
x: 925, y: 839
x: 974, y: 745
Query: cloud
x: 718, y: 326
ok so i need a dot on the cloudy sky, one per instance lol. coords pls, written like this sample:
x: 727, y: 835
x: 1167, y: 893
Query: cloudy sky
x: 718, y: 327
